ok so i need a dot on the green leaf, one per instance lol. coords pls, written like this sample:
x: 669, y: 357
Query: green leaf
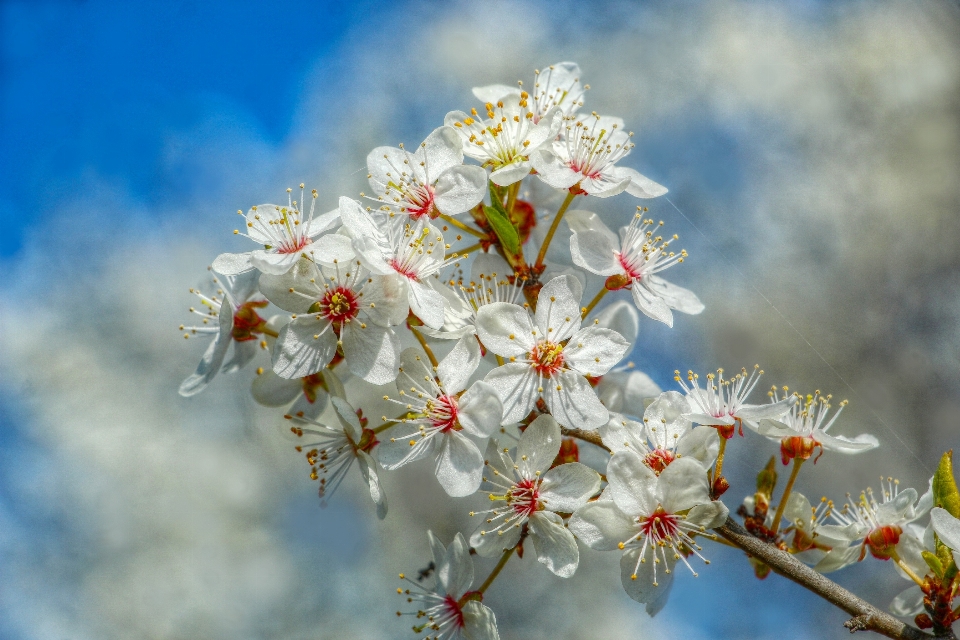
x: 945, y: 492
x: 767, y: 478
x: 499, y: 221
x: 933, y: 562
x: 945, y: 558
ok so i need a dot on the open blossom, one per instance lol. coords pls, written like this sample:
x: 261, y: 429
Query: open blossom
x: 877, y: 525
x: 401, y: 250
x: 653, y: 519
x: 665, y: 435
x: 807, y: 529
x: 342, y: 310
x: 305, y: 397
x: 584, y: 159
x: 723, y: 403
x: 636, y: 257
x: 444, y: 416
x: 529, y: 493
x: 803, y: 429
x: 428, y: 182
x: 286, y: 233
x: 549, y: 355
x: 332, y: 450
x: 507, y: 137
x: 450, y: 611
x: 230, y: 316
x: 556, y: 86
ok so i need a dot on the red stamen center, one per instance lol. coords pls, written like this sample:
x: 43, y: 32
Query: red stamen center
x: 246, y: 322
x: 547, y: 358
x: 659, y: 459
x: 339, y: 305
x: 442, y: 412
x: 524, y: 497
x: 659, y: 525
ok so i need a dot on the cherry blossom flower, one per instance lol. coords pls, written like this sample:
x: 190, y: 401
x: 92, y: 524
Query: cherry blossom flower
x: 808, y: 528
x: 653, y: 518
x: 722, y: 403
x: 505, y: 140
x: 305, y: 397
x: 584, y: 159
x: 428, y: 182
x: 333, y: 449
x: 635, y: 258
x: 286, y: 233
x: 230, y: 316
x: 665, y: 435
x: 532, y: 493
x: 406, y: 252
x: 449, y: 611
x: 549, y: 355
x: 444, y: 416
x: 343, y: 309
x: 803, y: 429
x: 556, y: 86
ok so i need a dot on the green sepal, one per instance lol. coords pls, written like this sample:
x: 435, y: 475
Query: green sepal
x: 945, y: 492
x: 933, y: 562
x: 499, y: 221
x: 767, y: 478
x: 314, y: 308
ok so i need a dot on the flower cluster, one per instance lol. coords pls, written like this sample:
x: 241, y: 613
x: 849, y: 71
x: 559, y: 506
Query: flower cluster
x: 436, y: 288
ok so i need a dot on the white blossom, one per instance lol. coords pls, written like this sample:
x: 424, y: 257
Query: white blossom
x: 529, y: 493
x: 428, y: 182
x: 444, y: 416
x: 653, y: 518
x: 556, y: 86
x: 549, y: 355
x: 286, y: 233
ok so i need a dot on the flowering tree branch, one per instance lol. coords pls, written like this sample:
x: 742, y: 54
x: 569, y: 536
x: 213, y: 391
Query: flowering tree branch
x: 866, y: 617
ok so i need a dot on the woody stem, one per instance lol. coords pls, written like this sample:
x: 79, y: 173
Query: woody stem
x: 597, y: 298
x: 786, y: 494
x: 459, y: 225
x: 553, y: 229
x: 474, y: 247
x: 497, y: 569
x: 426, y: 347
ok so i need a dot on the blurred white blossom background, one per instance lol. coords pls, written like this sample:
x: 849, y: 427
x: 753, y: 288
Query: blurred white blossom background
x: 814, y: 152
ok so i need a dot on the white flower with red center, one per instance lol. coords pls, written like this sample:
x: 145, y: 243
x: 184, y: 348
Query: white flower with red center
x: 722, y: 403
x: 332, y: 450
x: 505, y: 140
x: 529, y: 492
x: 584, y: 160
x: 807, y: 529
x: 406, y: 251
x: 338, y: 308
x: 653, y: 518
x: 488, y: 283
x: 549, y: 355
x: 286, y: 233
x: 230, y: 316
x: 556, y: 86
x: 877, y: 525
x: 665, y: 435
x: 449, y: 610
x: 633, y: 260
x: 445, y: 417
x: 803, y: 429
x: 428, y: 182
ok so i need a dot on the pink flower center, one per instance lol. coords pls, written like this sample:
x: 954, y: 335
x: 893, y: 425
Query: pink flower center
x: 547, y: 358
x: 339, y: 305
x: 294, y: 244
x: 420, y: 202
x: 630, y: 267
x: 659, y: 525
x: 403, y: 268
x: 453, y: 611
x: 584, y: 168
x: 659, y: 459
x: 524, y: 497
x: 442, y: 413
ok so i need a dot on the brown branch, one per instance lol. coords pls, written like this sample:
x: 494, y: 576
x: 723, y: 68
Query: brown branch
x: 866, y: 617
x: 593, y: 437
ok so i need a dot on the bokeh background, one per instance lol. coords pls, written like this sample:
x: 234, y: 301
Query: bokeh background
x: 812, y: 150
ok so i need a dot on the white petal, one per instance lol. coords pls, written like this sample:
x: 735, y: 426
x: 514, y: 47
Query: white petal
x: 510, y: 173
x: 621, y: 434
x: 498, y: 321
x: 772, y: 410
x: 650, y: 304
x: 243, y: 353
x: 601, y: 525
x: 331, y: 249
x: 323, y: 222
x: 683, y: 300
x: 384, y: 164
x: 494, y: 93
x: 441, y: 150
x: 908, y: 603
x: 558, y: 308
x: 708, y: 514
x: 455, y: 571
x: 276, y: 288
x: 370, y: 251
x: 479, y: 410
x: 538, y: 447
x: 396, y: 451
x: 946, y: 527
x: 459, y: 465
x: 229, y: 264
x: 436, y: 548
x: 384, y: 299
x: 489, y: 265
x: 574, y: 404
x: 479, y: 622
x: 702, y: 443
x: 601, y: 350
x: 371, y: 353
x: 304, y: 346
x: 632, y: 484
x: 623, y: 318
x: 271, y: 390
x: 567, y: 487
x: 546, y: 130
x: 347, y: 416
x: 592, y: 250
x: 838, y: 558
x: 665, y: 419
x: 626, y: 391
x: 213, y: 356
x: 306, y: 409
x: 553, y: 170
x: 773, y: 429
x: 642, y: 589
x: 368, y: 469
x: 460, y: 189
x: 554, y: 545
x: 457, y: 366
x: 426, y: 303
x: 683, y: 485
x: 489, y: 543
x: 640, y: 186
x: 516, y: 385
x: 863, y: 442
x: 605, y: 185
x: 273, y: 263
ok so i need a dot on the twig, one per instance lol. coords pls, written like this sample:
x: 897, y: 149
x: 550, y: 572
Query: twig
x: 593, y: 437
